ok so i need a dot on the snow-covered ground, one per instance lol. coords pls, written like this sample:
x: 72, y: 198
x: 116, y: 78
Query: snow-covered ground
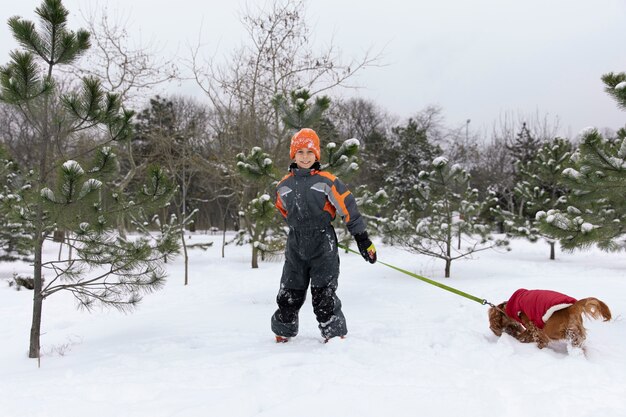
x: 413, y: 349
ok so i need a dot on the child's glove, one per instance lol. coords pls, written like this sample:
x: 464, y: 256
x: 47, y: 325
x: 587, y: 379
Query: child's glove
x: 366, y: 247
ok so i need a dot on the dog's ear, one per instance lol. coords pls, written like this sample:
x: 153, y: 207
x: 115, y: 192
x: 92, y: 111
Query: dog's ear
x: 496, y: 320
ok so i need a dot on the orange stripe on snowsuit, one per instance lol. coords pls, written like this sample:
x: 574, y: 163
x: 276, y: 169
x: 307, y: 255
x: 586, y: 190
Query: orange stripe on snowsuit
x: 325, y: 175
x: 279, y: 205
x: 328, y: 207
x: 279, y: 201
x: 341, y: 199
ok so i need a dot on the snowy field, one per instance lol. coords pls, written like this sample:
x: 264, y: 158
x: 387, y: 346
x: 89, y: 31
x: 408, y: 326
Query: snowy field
x: 412, y: 350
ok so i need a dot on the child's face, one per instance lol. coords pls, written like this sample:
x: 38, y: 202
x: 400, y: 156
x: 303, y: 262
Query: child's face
x: 305, y: 158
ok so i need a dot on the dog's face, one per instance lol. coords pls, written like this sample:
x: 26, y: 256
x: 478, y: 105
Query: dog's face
x: 500, y: 323
x: 497, y: 319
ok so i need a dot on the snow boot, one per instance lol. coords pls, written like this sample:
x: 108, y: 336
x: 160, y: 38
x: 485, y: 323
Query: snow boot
x: 282, y: 339
x: 326, y: 339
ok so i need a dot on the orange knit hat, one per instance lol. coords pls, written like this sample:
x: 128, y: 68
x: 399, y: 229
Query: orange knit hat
x: 305, y: 138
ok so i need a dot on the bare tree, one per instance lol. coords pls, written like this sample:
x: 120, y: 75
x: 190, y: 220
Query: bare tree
x: 277, y: 60
x: 132, y: 70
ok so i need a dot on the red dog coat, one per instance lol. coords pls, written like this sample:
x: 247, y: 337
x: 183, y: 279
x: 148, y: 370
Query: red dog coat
x: 538, y: 305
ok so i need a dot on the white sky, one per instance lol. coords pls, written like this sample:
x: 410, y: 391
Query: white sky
x: 478, y: 60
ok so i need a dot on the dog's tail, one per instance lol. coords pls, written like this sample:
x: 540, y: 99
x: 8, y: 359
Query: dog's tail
x: 593, y: 308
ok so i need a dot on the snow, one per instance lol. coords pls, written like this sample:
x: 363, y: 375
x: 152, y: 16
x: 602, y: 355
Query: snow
x: 587, y: 131
x: 586, y: 227
x: 352, y: 142
x: 206, y: 349
x: 381, y: 193
x: 572, y: 173
x: 47, y: 193
x: 440, y: 161
x: 90, y: 185
x: 73, y: 166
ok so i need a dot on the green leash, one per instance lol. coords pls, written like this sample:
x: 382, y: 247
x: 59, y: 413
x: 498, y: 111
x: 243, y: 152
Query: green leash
x: 429, y: 281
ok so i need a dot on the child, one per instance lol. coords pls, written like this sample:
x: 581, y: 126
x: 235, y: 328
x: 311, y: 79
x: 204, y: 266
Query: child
x: 308, y: 199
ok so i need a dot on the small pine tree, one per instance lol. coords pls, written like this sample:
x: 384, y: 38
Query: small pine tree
x: 539, y: 188
x: 441, y: 207
x: 373, y: 207
x: 120, y: 270
x: 258, y: 214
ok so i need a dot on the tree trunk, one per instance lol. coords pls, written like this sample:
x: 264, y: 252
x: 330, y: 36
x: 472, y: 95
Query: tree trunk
x: 448, y: 250
x: 186, y: 256
x: 224, y: 240
x: 39, y: 236
x: 552, y: 250
x: 35, y: 329
x: 255, y: 257
x: 58, y: 236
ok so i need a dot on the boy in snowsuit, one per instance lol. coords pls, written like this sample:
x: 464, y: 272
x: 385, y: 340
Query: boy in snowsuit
x: 309, y: 199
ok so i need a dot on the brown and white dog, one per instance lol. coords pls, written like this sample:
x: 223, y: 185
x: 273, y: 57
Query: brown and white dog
x: 542, y: 316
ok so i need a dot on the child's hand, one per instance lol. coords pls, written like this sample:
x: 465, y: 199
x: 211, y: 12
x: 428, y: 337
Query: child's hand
x: 366, y: 247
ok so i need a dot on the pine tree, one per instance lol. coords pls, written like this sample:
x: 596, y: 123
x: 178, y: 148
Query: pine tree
x: 261, y: 227
x: 518, y: 152
x: 411, y: 151
x: 440, y: 207
x: 525, y: 147
x: 595, y: 210
x: 539, y: 188
x: 64, y: 195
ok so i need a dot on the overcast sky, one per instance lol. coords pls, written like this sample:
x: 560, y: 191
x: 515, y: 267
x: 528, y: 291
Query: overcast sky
x: 479, y: 60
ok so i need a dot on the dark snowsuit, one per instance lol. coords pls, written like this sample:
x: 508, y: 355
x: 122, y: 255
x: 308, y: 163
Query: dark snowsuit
x: 308, y: 199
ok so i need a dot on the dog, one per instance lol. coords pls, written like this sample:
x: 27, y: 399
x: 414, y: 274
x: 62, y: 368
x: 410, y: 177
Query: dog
x: 543, y: 316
